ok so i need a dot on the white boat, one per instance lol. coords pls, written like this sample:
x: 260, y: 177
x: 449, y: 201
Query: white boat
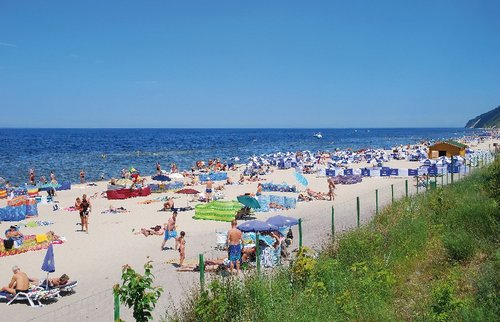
x: 318, y: 135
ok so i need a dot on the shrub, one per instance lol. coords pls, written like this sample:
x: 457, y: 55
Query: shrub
x: 459, y: 246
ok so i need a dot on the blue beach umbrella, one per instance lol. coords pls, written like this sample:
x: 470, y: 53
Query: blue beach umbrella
x: 161, y: 177
x: 282, y: 221
x: 256, y: 226
x: 301, y: 179
x: 49, y: 264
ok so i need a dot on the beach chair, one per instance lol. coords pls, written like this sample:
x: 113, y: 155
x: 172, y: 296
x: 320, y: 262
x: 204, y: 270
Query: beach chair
x: 221, y: 243
x: 62, y: 290
x: 34, y: 296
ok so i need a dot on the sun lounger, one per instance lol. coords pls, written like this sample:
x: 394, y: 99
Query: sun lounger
x: 64, y: 289
x: 34, y: 296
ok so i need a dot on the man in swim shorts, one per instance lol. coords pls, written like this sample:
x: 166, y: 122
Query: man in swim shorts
x: 19, y: 282
x: 234, y: 239
x: 170, y: 230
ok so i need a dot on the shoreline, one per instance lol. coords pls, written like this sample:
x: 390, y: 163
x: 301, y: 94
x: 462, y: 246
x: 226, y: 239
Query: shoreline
x: 95, y: 259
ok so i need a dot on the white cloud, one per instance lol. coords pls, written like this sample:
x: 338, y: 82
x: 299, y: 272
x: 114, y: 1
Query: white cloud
x: 6, y: 44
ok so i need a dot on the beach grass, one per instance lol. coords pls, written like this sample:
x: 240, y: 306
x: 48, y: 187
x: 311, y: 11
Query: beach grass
x: 433, y: 256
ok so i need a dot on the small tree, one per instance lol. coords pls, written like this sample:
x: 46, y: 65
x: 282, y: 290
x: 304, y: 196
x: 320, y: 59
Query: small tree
x: 137, y: 291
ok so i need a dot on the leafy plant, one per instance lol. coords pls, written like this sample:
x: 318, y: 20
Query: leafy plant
x: 137, y: 291
x: 459, y: 246
x: 303, y: 265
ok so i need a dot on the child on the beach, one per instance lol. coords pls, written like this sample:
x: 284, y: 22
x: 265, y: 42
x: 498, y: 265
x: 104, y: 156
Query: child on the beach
x: 181, y: 241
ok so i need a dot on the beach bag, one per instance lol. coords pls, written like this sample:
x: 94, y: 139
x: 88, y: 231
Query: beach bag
x: 8, y: 243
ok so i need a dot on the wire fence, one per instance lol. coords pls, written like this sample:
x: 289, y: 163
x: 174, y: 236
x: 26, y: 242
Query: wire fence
x: 317, y: 227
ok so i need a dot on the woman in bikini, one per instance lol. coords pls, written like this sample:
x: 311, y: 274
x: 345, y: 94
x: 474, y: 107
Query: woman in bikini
x: 181, y: 241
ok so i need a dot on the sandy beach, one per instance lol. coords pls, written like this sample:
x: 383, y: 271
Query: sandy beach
x: 95, y: 259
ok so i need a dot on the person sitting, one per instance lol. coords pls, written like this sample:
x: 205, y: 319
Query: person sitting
x: 242, y: 179
x: 229, y: 181
x: 168, y: 205
x: 19, y: 282
x: 13, y: 233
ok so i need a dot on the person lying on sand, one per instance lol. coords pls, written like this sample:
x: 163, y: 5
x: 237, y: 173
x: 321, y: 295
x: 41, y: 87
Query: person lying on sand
x: 156, y: 230
x: 168, y: 205
x: 304, y: 197
x: 316, y: 195
x: 274, y: 205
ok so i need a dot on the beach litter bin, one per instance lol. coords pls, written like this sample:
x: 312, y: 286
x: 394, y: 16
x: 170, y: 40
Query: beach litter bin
x: 432, y: 185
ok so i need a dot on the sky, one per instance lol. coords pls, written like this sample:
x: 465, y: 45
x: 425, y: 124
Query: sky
x: 257, y: 64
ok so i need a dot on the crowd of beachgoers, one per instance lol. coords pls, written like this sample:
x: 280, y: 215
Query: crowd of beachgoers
x: 202, y: 209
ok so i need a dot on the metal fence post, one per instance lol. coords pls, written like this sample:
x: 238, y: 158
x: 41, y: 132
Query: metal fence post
x: 426, y: 182
x: 452, y: 168
x: 202, y: 272
x: 376, y: 201
x: 392, y: 193
x: 357, y: 207
x: 333, y: 223
x: 406, y: 187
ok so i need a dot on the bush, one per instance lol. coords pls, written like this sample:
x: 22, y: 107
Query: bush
x: 459, y: 246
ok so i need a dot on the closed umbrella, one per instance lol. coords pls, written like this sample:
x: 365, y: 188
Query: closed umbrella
x: 301, y: 179
x: 49, y: 265
x: 249, y: 201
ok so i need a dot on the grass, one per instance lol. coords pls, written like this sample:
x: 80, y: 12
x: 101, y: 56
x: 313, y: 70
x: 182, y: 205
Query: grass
x: 434, y: 256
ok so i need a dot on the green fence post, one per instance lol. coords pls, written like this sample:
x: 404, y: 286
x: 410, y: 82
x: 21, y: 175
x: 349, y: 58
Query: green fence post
x: 202, y: 272
x: 257, y: 249
x: 357, y: 207
x: 406, y: 187
x: 426, y: 182
x: 442, y: 179
x: 417, y: 184
x: 333, y: 223
x: 300, y: 233
x: 376, y: 201
x: 117, y: 305
x: 446, y: 177
x: 392, y: 193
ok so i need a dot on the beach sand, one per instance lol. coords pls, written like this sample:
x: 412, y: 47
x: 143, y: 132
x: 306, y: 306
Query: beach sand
x: 95, y: 259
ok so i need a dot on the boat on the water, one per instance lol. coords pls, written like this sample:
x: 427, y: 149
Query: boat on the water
x: 318, y: 135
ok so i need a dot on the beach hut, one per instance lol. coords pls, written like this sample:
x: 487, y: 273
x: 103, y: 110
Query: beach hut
x: 447, y: 149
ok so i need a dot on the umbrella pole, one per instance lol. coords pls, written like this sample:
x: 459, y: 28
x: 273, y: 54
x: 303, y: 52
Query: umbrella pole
x: 257, y: 251
x: 47, y: 282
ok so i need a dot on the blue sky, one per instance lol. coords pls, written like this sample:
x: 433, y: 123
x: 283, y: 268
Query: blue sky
x: 312, y: 64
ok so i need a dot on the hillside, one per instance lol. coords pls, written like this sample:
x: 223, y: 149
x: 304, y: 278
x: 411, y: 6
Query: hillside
x: 489, y: 119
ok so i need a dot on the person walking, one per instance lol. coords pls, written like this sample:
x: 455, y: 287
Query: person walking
x: 208, y: 190
x: 170, y: 230
x: 331, y: 188
x: 85, y: 209
x: 82, y: 176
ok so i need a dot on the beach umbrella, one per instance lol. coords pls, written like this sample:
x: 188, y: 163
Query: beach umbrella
x: 282, y: 221
x: 161, y: 177
x: 188, y: 191
x: 249, y: 201
x: 301, y: 179
x: 256, y: 226
x: 176, y: 176
x: 48, y: 264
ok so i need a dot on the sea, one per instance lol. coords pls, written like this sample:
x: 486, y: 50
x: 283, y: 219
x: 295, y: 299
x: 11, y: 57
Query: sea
x: 102, y: 153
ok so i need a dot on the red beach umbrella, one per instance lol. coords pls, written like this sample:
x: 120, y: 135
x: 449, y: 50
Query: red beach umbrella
x: 188, y: 191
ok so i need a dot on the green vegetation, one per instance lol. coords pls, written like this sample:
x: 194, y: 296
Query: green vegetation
x: 137, y: 291
x: 489, y: 119
x: 433, y: 257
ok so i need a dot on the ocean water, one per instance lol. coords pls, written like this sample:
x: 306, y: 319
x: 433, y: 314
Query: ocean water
x: 107, y: 151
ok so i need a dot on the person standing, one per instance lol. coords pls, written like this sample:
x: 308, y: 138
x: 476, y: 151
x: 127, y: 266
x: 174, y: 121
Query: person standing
x: 181, y: 241
x: 85, y: 209
x: 170, y: 230
x: 53, y: 177
x: 209, y: 189
x: 32, y: 177
x: 235, y: 240
x: 331, y: 188
x: 158, y: 168
x: 82, y: 176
